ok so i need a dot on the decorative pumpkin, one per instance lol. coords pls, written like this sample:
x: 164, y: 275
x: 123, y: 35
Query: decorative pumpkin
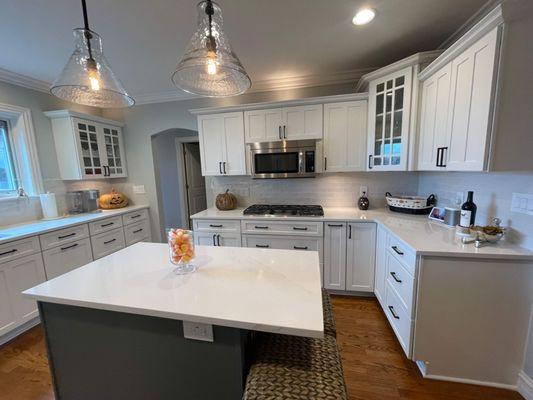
x: 112, y: 200
x: 226, y: 201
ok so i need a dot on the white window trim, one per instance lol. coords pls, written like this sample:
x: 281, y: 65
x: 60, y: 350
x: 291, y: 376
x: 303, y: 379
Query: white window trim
x: 24, y: 148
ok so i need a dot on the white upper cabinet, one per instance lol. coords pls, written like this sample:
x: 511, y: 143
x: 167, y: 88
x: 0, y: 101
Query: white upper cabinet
x: 88, y: 147
x: 222, y: 144
x: 345, y: 136
x: 287, y: 123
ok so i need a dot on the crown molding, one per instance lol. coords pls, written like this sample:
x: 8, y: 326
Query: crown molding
x: 24, y: 81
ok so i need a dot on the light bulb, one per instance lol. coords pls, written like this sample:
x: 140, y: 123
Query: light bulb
x: 211, y: 67
x: 94, y: 75
x: 364, y: 16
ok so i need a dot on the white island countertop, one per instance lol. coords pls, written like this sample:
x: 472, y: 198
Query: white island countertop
x: 265, y: 290
x: 425, y: 237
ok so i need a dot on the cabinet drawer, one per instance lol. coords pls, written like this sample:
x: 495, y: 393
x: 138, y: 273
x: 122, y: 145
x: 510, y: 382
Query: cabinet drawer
x: 105, y: 225
x: 137, y: 232
x: 297, y: 228
x: 284, y: 243
x: 67, y: 235
x: 398, y: 318
x: 107, y: 243
x: 402, y: 252
x: 401, y: 281
x: 65, y: 258
x: 217, y: 225
x: 18, y: 248
x: 135, y: 216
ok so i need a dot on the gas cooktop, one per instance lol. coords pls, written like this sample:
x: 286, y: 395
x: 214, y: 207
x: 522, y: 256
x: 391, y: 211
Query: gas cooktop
x: 288, y: 210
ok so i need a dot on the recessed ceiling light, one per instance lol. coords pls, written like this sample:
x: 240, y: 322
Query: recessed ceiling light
x: 364, y: 16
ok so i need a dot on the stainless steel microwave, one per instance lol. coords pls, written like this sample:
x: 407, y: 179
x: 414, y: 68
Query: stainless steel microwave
x: 285, y: 159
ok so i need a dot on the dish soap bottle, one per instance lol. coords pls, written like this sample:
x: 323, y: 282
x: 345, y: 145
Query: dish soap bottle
x: 468, y: 211
x: 363, y: 203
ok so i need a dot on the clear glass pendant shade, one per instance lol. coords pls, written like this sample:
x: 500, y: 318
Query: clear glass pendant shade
x: 209, y: 67
x: 87, y: 78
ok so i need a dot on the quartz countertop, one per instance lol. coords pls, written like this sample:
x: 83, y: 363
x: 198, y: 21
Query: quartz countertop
x: 264, y: 290
x: 424, y: 236
x: 19, y: 231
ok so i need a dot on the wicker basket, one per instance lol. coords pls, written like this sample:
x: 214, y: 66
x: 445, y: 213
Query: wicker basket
x: 410, y: 204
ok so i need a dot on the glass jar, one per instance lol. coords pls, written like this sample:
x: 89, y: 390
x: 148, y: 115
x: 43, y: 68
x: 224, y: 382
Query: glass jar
x: 181, y: 250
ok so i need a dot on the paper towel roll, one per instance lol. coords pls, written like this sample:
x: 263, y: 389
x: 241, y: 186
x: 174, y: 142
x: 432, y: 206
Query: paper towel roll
x: 49, y: 205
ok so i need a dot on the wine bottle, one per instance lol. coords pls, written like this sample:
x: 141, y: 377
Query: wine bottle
x: 468, y: 211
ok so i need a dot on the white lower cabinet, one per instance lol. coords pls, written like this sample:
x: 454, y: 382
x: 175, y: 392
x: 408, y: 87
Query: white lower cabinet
x: 62, y: 259
x: 360, y: 257
x: 138, y: 232
x: 16, y: 276
x: 381, y: 268
x: 217, y: 239
x: 335, y: 256
x: 107, y: 243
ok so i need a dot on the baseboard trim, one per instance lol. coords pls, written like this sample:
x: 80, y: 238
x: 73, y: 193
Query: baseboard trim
x: 422, y: 367
x: 19, y: 330
x: 525, y: 385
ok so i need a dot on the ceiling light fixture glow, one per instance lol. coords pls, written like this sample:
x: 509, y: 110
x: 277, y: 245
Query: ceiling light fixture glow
x: 364, y: 16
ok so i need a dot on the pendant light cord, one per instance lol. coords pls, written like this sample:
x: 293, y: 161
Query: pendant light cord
x: 88, y: 35
x: 209, y: 10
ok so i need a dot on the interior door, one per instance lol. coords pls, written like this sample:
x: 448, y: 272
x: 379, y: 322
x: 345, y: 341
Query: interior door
x: 195, y: 182
x: 361, y: 256
x: 211, y: 136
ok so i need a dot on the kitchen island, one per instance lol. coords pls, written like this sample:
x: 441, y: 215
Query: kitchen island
x: 126, y: 326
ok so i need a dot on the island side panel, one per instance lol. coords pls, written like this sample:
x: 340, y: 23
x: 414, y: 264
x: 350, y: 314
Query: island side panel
x: 104, y: 355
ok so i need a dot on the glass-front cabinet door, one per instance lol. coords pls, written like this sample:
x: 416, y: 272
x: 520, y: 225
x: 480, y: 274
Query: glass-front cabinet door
x: 90, y: 146
x: 114, y: 151
x: 388, y: 122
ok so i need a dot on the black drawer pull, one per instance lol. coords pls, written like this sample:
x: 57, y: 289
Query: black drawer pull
x: 8, y: 252
x: 262, y: 246
x: 138, y: 230
x: 300, y: 247
x: 261, y: 227
x: 108, y: 224
x: 218, y: 240
x: 391, y: 308
x: 393, y: 274
x: 214, y: 238
x: 215, y: 226
x: 297, y: 228
x: 398, y: 251
x: 110, y: 241
x: 136, y: 216
x: 335, y: 225
x: 66, y: 236
x: 69, y: 247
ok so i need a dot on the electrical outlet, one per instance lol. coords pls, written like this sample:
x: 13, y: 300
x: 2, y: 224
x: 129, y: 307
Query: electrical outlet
x: 138, y: 189
x: 459, y: 198
x: 362, y: 190
x: 198, y: 331
x: 522, y: 203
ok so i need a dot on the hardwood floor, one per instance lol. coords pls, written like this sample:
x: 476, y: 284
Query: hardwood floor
x: 375, y: 367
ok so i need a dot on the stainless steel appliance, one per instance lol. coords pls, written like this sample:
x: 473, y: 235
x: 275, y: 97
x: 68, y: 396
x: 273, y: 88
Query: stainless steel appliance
x: 288, y: 210
x: 285, y: 159
x: 83, y: 201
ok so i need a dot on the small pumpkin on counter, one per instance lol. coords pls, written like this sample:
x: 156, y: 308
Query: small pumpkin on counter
x: 226, y: 201
x: 112, y: 200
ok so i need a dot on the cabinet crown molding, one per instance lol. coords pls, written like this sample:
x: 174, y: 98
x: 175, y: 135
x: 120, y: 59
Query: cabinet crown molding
x: 279, y: 104
x: 492, y: 20
x: 69, y: 113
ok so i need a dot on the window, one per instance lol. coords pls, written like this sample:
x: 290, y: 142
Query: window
x: 8, y: 179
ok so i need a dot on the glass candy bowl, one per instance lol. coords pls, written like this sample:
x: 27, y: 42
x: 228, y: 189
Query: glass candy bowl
x: 181, y: 250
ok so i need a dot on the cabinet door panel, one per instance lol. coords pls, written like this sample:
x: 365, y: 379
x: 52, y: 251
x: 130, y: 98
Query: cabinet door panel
x: 113, y: 147
x: 303, y: 122
x: 262, y: 125
x: 381, y: 267
x: 217, y: 239
x: 229, y: 240
x: 211, y: 136
x: 335, y: 256
x: 90, y: 147
x: 234, y: 144
x: 360, y: 259
x: 63, y: 259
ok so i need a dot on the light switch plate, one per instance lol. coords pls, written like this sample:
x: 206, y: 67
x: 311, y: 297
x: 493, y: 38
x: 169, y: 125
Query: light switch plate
x: 198, y: 331
x: 522, y: 203
x: 363, y: 189
x: 138, y: 189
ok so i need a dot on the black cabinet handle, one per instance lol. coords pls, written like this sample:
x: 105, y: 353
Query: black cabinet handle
x: 66, y: 236
x: 391, y: 308
x: 220, y: 167
x: 279, y: 132
x: 325, y: 163
x: 442, y: 157
x: 370, y: 161
x: 218, y: 240
x: 438, y: 157
x: 108, y: 224
x: 214, y: 236
x: 300, y: 247
x: 350, y: 231
x: 398, y: 251
x: 110, y: 241
x: 69, y: 247
x: 135, y: 216
x: 298, y: 228
x: 224, y: 167
x: 393, y: 274
x: 8, y: 252
x: 335, y: 225
x: 262, y: 246
x: 284, y: 131
x: 138, y: 230
x: 261, y: 227
x: 215, y: 226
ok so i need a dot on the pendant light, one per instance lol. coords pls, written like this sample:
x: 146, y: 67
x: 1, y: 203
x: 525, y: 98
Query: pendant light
x: 87, y: 78
x: 209, y: 67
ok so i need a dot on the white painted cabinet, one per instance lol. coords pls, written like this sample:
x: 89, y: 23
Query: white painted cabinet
x: 335, y: 256
x: 345, y: 134
x: 88, y: 147
x: 67, y: 257
x: 222, y: 144
x: 287, y: 123
x: 218, y: 239
x: 16, y: 276
x: 380, y: 273
x: 360, y: 257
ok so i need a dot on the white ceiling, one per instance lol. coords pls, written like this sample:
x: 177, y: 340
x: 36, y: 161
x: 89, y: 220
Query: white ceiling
x: 280, y: 42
